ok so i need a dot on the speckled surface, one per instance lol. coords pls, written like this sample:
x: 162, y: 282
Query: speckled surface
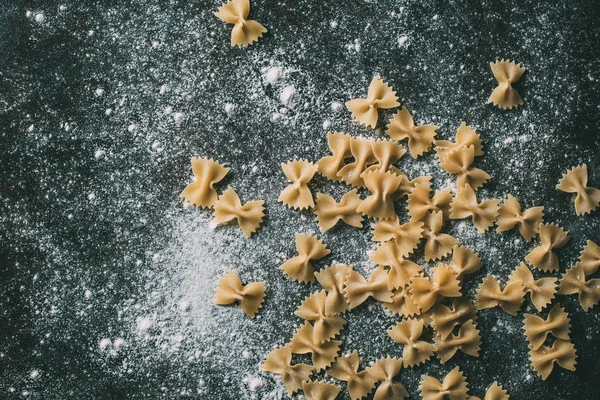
x: 106, y: 279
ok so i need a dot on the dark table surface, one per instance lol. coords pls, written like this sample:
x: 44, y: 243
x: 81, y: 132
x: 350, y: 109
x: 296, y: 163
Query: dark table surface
x: 107, y: 279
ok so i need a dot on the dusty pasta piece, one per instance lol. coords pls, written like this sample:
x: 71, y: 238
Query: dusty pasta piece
x: 297, y: 194
x: 380, y: 95
x: 309, y: 248
x: 420, y: 204
x: 490, y: 295
x: 537, y: 328
x: 406, y: 237
x: 562, y: 352
x: 279, y: 362
x: 345, y: 369
x: 362, y: 152
x: 552, y: 237
x: 437, y: 244
x: 332, y: 279
x: 541, y: 291
x: 322, y: 353
x: 384, y: 370
x: 446, y: 318
x: 495, y: 392
x: 573, y: 281
x: 454, y: 387
x: 506, y: 73
x: 318, y: 390
x: 207, y: 172
x: 575, y: 181
x: 465, y: 205
x: 339, y: 144
x: 467, y: 340
x: 248, y: 216
x: 326, y: 323
x: 357, y: 289
x: 403, y: 303
x: 407, y: 333
x: 458, y: 162
x: 420, y: 138
x: 250, y: 296
x: 382, y: 186
x: 528, y: 221
x: 245, y: 31
x: 465, y: 136
x: 590, y: 258
x: 329, y: 213
x: 444, y: 283
x: 407, y: 186
x: 401, y: 270
x: 464, y: 261
x: 387, y: 154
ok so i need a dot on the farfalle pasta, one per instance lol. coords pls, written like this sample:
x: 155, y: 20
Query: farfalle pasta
x: 332, y: 279
x: 537, y: 329
x: 528, y: 221
x: 383, y: 371
x: 464, y: 261
x: 406, y: 237
x: 400, y: 270
x: 387, y: 153
x: 329, y: 212
x: 453, y: 387
x: 562, y: 352
x: 279, y: 362
x: 408, y: 186
x: 297, y: 195
x: 309, y: 248
x: 458, y: 162
x: 574, y: 282
x: 590, y: 258
x: 362, y: 152
x: 575, y: 181
x: 420, y: 138
x: 357, y: 289
x: 443, y: 283
x: 415, y: 351
x: 245, y: 31
x: 379, y: 96
x: 420, y: 204
x: 543, y: 257
x: 465, y: 136
x: 506, y: 73
x: 402, y: 303
x: 446, y: 318
x: 490, y: 295
x: 345, y: 368
x: 228, y: 208
x: 339, y: 144
x: 437, y: 244
x: 541, y: 290
x: 322, y: 352
x: 465, y: 205
x: 382, y: 185
x: 317, y: 390
x: 327, y: 324
x: 494, y: 392
x: 250, y: 296
x: 207, y: 172
x: 466, y: 340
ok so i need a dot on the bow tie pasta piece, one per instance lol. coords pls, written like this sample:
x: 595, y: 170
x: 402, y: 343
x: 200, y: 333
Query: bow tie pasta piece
x: 380, y: 95
x: 316, y: 390
x: 590, y: 258
x: 466, y: 136
x: 420, y: 204
x: 403, y: 303
x: 427, y: 291
x: 357, y: 289
x: 408, y: 186
x: 506, y: 73
x: 576, y: 181
x: 279, y: 362
x: 454, y: 387
x: 490, y: 295
x: 406, y: 237
x: 323, y: 353
x: 562, y: 352
x: 248, y: 216
x: 250, y: 296
x: 339, y: 144
x: 467, y: 340
x: 207, y: 172
x: 446, y: 318
x: 552, y: 237
x: 244, y: 31
x: 494, y: 392
x: 329, y: 213
x: 309, y: 248
x: 465, y: 205
x: 386, y: 153
x: 298, y: 195
x: 528, y: 221
x: 458, y: 162
x: 382, y: 186
x: 542, y: 290
x: 326, y: 323
x: 464, y: 261
x: 345, y: 369
x: 437, y: 244
x: 573, y: 281
x: 401, y: 270
x: 420, y: 138
x: 332, y: 279
x: 407, y: 333
x: 384, y: 370
x: 362, y: 151
x: 537, y: 328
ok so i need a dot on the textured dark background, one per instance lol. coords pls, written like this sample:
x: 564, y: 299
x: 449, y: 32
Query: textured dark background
x: 74, y: 268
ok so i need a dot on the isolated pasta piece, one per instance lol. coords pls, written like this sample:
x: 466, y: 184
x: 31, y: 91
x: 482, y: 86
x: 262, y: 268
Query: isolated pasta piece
x: 207, y: 172
x: 297, y: 195
x: 384, y: 370
x: 326, y: 323
x: 573, y: 281
x: 245, y: 31
x: 318, y: 390
x: 420, y: 138
x: 426, y: 292
x: 403, y: 303
x: 437, y: 244
x: 250, y: 296
x: 590, y: 258
x: 382, y: 185
x: 329, y: 213
x: 506, y: 73
x: 446, y: 318
x: 279, y: 362
x: 406, y: 237
x: 380, y: 95
x: 309, y: 248
x: 465, y: 205
x: 496, y: 392
x: 332, y: 279
x: 562, y: 353
x: 537, y: 329
x: 465, y: 136
x: 467, y: 340
x: 322, y: 353
x: 490, y: 295
x: 575, y: 181
x: 552, y: 237
x: 401, y: 270
x: 248, y: 216
x: 454, y: 387
x: 357, y: 289
x: 339, y: 144
x: 345, y: 369
x: 407, y: 186
x: 528, y: 221
x: 542, y: 290
x: 387, y: 153
x: 419, y: 202
x: 415, y: 351
x: 458, y: 162
x: 464, y: 261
